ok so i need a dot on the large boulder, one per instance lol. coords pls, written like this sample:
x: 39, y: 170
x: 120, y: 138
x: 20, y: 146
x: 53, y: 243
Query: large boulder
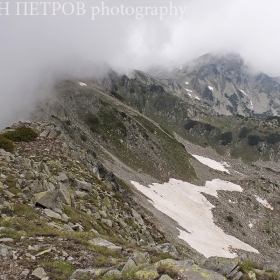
x: 148, y: 273
x: 188, y: 270
x: 105, y: 243
x: 83, y: 273
x: 222, y: 265
x: 141, y: 258
x: 168, y: 248
x: 82, y: 185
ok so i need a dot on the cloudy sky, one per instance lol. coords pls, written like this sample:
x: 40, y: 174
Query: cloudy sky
x: 39, y: 47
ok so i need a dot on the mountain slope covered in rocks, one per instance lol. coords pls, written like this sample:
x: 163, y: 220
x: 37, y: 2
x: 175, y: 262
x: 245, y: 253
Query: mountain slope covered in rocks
x: 69, y: 208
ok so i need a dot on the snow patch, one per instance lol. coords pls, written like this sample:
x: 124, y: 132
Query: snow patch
x: 212, y: 163
x: 188, y: 90
x: 186, y: 83
x: 210, y: 88
x: 185, y: 203
x: 243, y: 92
x: 82, y: 84
x: 196, y: 97
x: 251, y: 104
x: 189, y: 95
x: 250, y: 225
x: 263, y: 202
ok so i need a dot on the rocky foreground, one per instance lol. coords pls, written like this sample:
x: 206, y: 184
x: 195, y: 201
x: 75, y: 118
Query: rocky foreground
x: 64, y: 216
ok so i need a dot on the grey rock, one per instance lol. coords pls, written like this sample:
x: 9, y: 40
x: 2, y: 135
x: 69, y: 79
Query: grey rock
x: 83, y: 273
x: 94, y: 231
x: 5, y: 251
x: 67, y: 228
x: 62, y: 177
x: 45, y: 133
x: 9, y: 194
x: 24, y: 274
x: 109, y: 223
x: 237, y: 276
x: 53, y: 133
x: 165, y: 277
x: 130, y: 265
x: 168, y: 248
x: 141, y: 258
x: 113, y: 272
x: 39, y: 273
x: 105, y: 243
x: 138, y: 217
x: 67, y: 194
x: 52, y: 214
x: 78, y: 227
x: 4, y: 240
x: 80, y: 194
x: 148, y: 273
x: 37, y: 187
x: 82, y: 185
x: 271, y: 266
x: 188, y: 270
x: 221, y: 265
x: 49, y: 199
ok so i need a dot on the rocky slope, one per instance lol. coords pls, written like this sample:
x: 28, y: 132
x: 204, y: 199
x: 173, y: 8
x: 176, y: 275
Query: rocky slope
x: 69, y: 210
x: 63, y: 217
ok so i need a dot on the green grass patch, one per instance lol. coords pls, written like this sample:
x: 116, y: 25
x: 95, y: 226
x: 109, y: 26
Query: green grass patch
x: 21, y: 134
x: 6, y: 144
x: 57, y: 269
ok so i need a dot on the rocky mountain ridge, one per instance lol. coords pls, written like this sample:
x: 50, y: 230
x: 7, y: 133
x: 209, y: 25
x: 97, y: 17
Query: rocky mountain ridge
x: 226, y: 83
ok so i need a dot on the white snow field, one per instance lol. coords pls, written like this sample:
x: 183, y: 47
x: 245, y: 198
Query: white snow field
x: 212, y: 163
x: 185, y: 203
x: 82, y: 84
x: 263, y: 202
x: 210, y: 88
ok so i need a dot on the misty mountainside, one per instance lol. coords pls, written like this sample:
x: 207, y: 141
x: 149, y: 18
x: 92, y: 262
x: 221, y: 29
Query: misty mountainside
x: 227, y: 84
x: 246, y: 137
x: 69, y: 209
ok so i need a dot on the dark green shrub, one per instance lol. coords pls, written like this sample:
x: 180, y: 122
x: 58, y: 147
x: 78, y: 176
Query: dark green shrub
x: 92, y: 121
x: 230, y: 218
x: 244, y: 132
x: 226, y: 138
x: 273, y: 138
x: 209, y: 127
x: 191, y: 124
x: 116, y: 95
x: 6, y: 144
x: 254, y: 140
x: 122, y: 128
x: 83, y: 137
x: 21, y: 134
x: 123, y: 114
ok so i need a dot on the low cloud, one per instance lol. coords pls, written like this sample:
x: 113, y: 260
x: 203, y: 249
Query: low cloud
x: 34, y: 50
